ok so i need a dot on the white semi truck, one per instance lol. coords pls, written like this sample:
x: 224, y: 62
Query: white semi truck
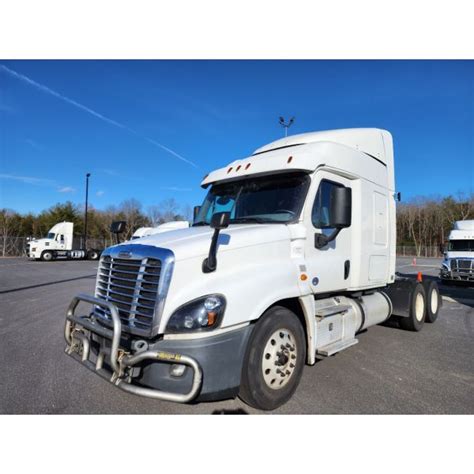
x: 59, y: 244
x: 458, y: 263
x: 165, y: 227
x: 290, y: 256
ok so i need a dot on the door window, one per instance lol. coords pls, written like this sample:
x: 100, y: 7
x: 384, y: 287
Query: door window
x: 320, y: 215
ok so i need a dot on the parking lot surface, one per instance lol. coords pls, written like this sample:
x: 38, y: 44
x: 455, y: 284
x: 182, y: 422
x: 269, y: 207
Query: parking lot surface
x: 389, y: 371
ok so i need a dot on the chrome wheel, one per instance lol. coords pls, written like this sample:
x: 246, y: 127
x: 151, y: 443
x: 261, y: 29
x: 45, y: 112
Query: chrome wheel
x: 279, y: 359
x: 434, y: 301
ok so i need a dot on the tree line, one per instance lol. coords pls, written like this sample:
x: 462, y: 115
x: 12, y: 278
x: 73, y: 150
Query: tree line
x: 425, y: 222
x: 14, y: 224
x: 422, y: 222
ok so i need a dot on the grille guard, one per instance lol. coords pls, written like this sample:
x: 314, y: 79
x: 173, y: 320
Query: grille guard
x: 77, y: 332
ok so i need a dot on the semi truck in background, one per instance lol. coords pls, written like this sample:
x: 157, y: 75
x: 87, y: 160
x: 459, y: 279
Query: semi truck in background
x: 58, y: 244
x: 458, y: 263
x: 167, y: 226
x: 289, y: 258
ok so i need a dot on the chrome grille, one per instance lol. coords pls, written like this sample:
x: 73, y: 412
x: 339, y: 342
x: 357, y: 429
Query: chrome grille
x: 461, y: 265
x: 132, y: 284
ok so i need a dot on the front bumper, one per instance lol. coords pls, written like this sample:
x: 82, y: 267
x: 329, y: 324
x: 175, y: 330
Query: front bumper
x: 467, y: 275
x: 212, y: 364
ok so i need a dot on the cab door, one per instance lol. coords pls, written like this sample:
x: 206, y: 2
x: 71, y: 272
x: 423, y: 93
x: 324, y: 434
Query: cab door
x: 61, y: 241
x: 329, y: 268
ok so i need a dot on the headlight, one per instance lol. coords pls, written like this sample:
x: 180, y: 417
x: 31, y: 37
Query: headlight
x: 202, y: 314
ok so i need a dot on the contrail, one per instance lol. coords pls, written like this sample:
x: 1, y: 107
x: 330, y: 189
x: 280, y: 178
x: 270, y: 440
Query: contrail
x: 72, y: 102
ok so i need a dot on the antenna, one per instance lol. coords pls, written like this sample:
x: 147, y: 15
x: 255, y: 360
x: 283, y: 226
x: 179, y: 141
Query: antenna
x: 287, y: 125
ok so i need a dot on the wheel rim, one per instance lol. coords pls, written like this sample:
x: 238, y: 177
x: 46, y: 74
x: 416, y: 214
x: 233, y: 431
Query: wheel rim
x: 419, y: 306
x: 47, y: 256
x: 434, y: 301
x: 279, y: 359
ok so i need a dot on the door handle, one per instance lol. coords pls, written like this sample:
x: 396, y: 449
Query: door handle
x: 347, y: 269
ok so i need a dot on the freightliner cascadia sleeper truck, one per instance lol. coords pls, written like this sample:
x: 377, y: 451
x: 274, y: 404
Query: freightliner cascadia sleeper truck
x: 59, y: 244
x: 458, y: 263
x: 290, y: 256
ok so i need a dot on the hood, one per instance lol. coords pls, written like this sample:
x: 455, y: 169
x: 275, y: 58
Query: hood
x: 40, y: 241
x: 195, y: 241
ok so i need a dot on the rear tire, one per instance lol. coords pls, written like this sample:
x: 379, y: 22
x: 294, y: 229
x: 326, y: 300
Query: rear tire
x: 416, y: 318
x: 274, y: 361
x: 47, y: 256
x: 433, y: 301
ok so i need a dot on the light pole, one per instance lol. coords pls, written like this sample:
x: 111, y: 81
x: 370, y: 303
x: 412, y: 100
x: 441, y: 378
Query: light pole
x: 286, y: 126
x: 85, y: 213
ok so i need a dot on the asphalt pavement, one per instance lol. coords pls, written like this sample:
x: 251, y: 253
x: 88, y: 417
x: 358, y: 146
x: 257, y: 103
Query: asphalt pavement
x: 388, y: 371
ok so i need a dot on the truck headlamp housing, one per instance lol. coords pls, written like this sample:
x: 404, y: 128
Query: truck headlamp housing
x: 202, y: 314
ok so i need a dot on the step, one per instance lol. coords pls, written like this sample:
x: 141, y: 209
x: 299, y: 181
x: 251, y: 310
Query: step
x: 334, y: 347
x: 332, y: 310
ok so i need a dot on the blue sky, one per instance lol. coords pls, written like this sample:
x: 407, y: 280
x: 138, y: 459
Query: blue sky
x: 152, y: 129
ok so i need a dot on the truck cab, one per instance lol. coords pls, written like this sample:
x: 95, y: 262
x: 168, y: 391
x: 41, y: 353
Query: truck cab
x: 59, y: 244
x: 59, y: 237
x: 458, y: 262
x: 290, y: 256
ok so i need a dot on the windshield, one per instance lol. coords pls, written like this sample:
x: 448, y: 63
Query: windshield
x: 461, y: 245
x: 51, y: 235
x: 275, y: 199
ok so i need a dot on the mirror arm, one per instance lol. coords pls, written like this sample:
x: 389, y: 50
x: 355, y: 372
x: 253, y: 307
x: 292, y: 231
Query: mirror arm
x: 209, y: 264
x: 321, y: 240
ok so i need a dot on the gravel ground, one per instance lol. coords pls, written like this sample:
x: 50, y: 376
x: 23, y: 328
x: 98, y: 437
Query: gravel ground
x: 389, y: 371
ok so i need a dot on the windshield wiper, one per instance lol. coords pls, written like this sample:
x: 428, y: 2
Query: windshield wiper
x: 196, y: 224
x: 243, y: 220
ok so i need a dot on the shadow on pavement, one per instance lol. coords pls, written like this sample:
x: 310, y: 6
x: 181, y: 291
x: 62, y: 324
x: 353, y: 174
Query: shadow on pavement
x: 237, y: 411
x: 45, y: 284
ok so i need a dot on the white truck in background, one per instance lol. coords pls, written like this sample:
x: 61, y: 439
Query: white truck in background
x: 458, y: 263
x: 59, y: 244
x: 290, y: 256
x: 166, y: 227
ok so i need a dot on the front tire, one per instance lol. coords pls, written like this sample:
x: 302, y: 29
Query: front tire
x: 275, y: 358
x: 93, y: 255
x: 417, y: 313
x: 47, y: 256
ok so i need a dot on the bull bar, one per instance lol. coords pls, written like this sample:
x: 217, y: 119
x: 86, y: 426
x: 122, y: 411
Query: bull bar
x: 78, y: 331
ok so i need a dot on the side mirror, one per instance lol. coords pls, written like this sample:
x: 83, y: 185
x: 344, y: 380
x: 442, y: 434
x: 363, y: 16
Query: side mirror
x: 117, y: 227
x: 196, y: 210
x: 220, y: 220
x: 340, y: 207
